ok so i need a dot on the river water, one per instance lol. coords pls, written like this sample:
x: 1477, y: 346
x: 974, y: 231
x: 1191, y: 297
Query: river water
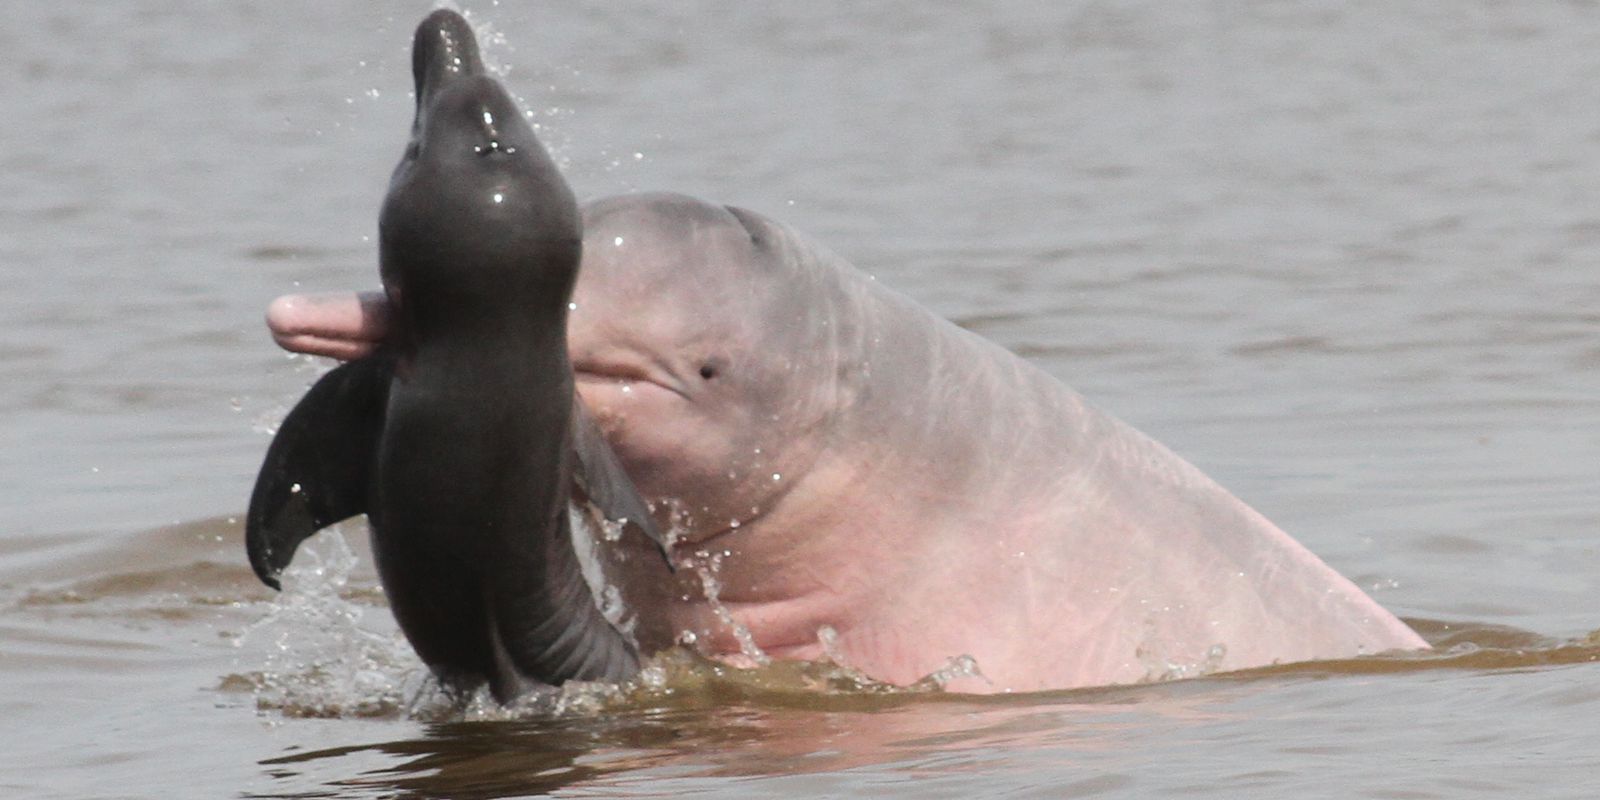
x: 1341, y: 255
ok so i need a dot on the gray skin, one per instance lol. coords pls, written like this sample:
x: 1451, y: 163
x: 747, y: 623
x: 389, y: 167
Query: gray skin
x: 461, y: 439
x: 869, y: 483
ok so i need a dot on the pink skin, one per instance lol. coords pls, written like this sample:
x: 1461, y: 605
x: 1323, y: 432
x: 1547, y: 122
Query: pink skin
x: 855, y: 463
x: 341, y: 326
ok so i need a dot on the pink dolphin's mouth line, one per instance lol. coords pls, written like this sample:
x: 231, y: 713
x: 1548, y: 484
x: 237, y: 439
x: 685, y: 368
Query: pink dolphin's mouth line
x: 625, y: 375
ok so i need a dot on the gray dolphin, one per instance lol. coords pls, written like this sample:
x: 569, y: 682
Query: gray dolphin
x: 461, y: 440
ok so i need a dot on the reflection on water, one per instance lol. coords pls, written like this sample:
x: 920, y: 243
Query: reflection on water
x: 739, y: 725
x: 326, y: 648
x: 640, y: 749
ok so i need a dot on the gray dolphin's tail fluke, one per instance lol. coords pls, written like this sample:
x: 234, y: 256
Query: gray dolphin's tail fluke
x: 318, y: 469
x: 469, y: 622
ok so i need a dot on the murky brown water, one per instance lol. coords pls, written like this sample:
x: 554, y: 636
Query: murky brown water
x: 1345, y: 256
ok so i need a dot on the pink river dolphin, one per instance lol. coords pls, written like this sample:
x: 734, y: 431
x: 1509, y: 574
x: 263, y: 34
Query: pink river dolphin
x: 854, y: 478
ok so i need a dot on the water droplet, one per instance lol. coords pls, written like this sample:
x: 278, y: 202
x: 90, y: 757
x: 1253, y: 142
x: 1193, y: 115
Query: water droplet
x: 829, y: 639
x: 294, y: 489
x: 777, y: 476
x: 617, y: 241
x: 572, y: 306
x: 499, y: 198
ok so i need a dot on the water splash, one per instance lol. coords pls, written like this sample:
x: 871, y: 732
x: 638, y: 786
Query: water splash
x: 958, y: 667
x: 706, y: 566
x: 589, y: 530
x: 1160, y: 667
x: 678, y: 520
x: 955, y: 668
x: 322, y: 655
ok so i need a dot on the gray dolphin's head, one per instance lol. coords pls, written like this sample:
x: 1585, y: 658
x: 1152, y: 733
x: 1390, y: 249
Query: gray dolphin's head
x: 477, y: 218
x: 716, y: 346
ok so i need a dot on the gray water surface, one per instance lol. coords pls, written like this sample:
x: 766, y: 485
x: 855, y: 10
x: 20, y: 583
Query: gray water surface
x: 1341, y: 255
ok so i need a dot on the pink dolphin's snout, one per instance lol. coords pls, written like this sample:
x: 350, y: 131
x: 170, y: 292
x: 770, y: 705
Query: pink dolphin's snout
x: 342, y: 325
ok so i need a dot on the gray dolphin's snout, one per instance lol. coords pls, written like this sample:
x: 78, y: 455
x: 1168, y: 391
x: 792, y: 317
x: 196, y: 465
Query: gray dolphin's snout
x: 443, y: 49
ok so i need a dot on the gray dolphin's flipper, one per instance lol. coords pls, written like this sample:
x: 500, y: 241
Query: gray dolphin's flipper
x: 317, y: 471
x: 600, y: 477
